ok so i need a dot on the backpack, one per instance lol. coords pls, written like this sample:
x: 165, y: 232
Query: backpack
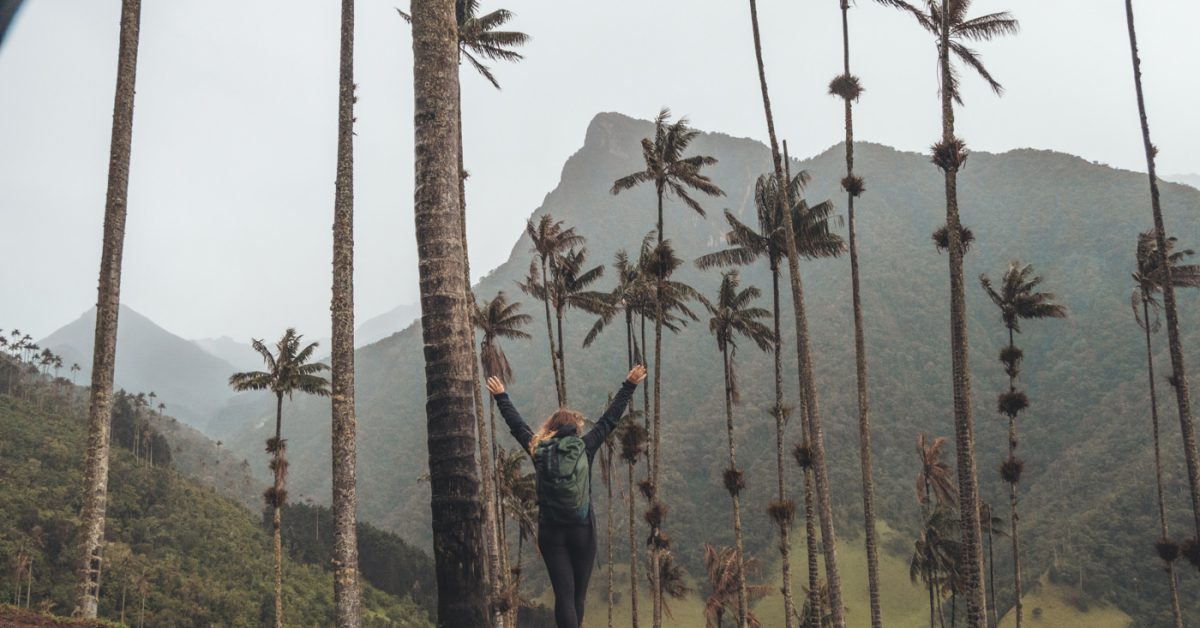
x: 563, y: 481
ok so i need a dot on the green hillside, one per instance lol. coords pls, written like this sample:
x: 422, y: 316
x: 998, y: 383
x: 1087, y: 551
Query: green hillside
x: 197, y: 558
x: 1087, y: 491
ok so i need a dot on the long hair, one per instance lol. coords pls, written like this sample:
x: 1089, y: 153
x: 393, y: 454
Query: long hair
x: 560, y: 418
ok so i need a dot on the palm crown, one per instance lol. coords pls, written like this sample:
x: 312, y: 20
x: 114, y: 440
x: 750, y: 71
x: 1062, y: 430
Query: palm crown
x: 499, y: 319
x: 1149, y: 277
x: 733, y: 315
x: 288, y: 369
x: 1017, y: 298
x: 479, y: 39
x: 962, y: 30
x: 811, y: 225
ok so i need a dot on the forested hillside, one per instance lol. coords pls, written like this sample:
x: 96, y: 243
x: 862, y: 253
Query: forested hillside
x: 179, y: 552
x: 1087, y: 498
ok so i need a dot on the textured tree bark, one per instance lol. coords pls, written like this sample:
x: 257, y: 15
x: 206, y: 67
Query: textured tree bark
x: 95, y: 486
x: 964, y: 426
x: 803, y: 353
x: 346, y: 592
x: 1178, y: 371
x: 785, y: 544
x: 742, y: 598
x: 633, y: 557
x: 278, y: 464
x: 860, y: 350
x: 457, y: 516
x: 1014, y: 516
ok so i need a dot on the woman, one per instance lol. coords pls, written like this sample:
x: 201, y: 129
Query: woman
x: 562, y: 460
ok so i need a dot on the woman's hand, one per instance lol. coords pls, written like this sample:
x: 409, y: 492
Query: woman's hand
x: 496, y: 387
x: 636, y: 375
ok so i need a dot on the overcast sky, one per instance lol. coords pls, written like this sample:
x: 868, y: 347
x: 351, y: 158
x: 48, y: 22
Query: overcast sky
x: 231, y: 188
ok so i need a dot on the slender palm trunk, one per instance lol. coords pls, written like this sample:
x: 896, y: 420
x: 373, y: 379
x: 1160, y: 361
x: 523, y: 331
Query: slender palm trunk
x: 860, y: 350
x: 95, y: 485
x: 742, y: 598
x: 1014, y: 517
x: 457, y: 516
x: 278, y: 465
x: 633, y: 555
x: 803, y: 353
x: 562, y: 362
x: 1178, y: 371
x: 608, y: 543
x: 1164, y: 533
x: 932, y: 605
x: 964, y: 427
x: 550, y: 334
x: 346, y: 593
x: 995, y: 617
x: 655, y: 439
x: 789, y: 605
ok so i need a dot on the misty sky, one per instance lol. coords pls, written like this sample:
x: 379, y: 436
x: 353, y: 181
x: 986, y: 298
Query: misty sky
x: 231, y: 187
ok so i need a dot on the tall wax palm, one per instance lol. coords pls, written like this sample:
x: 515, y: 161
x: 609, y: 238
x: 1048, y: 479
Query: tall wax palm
x: 550, y: 241
x: 1148, y: 283
x: 1018, y: 300
x: 811, y: 409
x: 724, y: 572
x: 633, y: 444
x: 1178, y: 376
x: 516, y: 492
x: 457, y: 513
x: 848, y: 87
x: 936, y: 557
x: 947, y: 20
x: 747, y: 245
x: 288, y: 371
x: 95, y: 483
x: 733, y: 315
x: 346, y: 590
x: 498, y: 319
x: 673, y: 175
x: 935, y: 481
x: 568, y: 290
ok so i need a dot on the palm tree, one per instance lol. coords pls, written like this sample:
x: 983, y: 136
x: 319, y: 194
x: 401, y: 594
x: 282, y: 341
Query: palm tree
x: 848, y: 87
x: 288, y: 371
x: 75, y: 368
x: 446, y: 321
x: 633, y: 444
x: 550, y: 240
x: 936, y: 557
x: 1017, y: 301
x: 673, y: 175
x: 568, y: 290
x: 747, y: 244
x: 724, y: 572
x: 810, y: 410
x: 516, y: 491
x: 947, y: 20
x: 346, y: 591
x: 1148, y: 282
x: 1178, y: 377
x: 95, y: 483
x: 935, y: 485
x: 733, y: 316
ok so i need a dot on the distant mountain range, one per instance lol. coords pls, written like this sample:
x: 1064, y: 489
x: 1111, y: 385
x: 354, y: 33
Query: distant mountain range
x: 1085, y: 439
x: 1186, y: 179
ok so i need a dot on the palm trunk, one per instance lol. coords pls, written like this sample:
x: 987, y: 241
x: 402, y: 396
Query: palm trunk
x: 1014, y: 517
x: 346, y: 593
x: 932, y: 620
x: 562, y: 362
x: 964, y: 427
x: 1164, y: 534
x: 550, y: 336
x: 609, y: 538
x: 95, y: 485
x: 789, y: 605
x: 633, y: 557
x: 278, y: 462
x: 655, y: 440
x: 457, y: 515
x: 1178, y: 371
x: 995, y: 620
x: 742, y: 598
x: 803, y: 352
x: 860, y: 350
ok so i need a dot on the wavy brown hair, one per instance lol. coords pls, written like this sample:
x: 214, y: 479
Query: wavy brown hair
x: 560, y: 418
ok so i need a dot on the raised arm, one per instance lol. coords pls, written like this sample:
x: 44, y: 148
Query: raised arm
x: 516, y: 425
x: 608, y: 421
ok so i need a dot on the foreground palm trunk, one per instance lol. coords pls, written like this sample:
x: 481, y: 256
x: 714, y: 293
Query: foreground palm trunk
x: 456, y: 511
x: 848, y: 88
x: 278, y: 450
x: 803, y: 354
x: 346, y: 594
x: 950, y: 155
x: 95, y: 487
x: 1178, y: 377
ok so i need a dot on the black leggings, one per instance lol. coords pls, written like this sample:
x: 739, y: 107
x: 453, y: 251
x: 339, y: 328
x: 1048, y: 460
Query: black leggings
x: 569, y: 552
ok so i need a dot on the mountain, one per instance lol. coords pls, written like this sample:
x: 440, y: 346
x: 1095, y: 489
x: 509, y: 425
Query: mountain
x: 238, y: 353
x: 1185, y: 179
x: 379, y: 327
x: 1087, y: 492
x: 190, y: 381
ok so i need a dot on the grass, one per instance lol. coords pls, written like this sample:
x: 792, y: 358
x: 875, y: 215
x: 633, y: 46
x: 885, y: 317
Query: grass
x: 1052, y: 605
